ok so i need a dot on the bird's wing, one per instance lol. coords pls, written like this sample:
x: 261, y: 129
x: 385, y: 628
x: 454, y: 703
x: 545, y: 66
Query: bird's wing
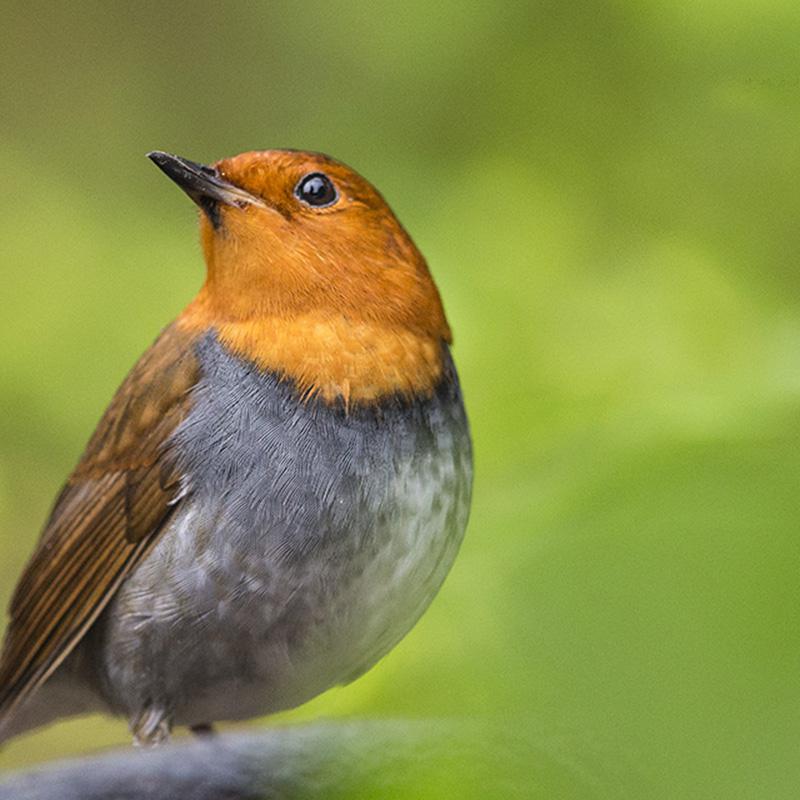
x: 108, y: 515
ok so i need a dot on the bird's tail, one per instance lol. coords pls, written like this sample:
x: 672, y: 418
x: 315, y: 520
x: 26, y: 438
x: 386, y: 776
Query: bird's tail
x: 54, y: 700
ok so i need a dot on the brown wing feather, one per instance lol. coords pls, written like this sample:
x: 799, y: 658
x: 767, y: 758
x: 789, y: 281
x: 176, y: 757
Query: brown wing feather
x: 109, y: 513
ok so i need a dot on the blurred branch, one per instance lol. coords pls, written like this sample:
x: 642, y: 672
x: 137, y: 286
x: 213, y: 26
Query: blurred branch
x: 323, y: 760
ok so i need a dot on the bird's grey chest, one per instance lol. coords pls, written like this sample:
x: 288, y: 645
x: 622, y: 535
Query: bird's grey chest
x: 309, y: 540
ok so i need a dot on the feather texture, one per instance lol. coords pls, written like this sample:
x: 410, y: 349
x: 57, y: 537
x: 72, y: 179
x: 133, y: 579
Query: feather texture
x: 109, y: 513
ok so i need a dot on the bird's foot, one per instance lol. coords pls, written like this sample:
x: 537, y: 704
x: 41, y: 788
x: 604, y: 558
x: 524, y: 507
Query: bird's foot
x: 151, y: 727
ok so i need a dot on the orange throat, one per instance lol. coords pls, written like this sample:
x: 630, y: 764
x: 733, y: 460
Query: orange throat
x: 328, y: 356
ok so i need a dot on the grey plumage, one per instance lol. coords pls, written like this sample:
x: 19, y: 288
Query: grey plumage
x: 307, y: 542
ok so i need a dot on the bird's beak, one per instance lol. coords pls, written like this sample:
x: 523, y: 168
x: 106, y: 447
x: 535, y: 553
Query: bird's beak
x: 202, y: 183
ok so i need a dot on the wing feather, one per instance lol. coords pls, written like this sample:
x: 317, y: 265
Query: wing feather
x: 110, y: 512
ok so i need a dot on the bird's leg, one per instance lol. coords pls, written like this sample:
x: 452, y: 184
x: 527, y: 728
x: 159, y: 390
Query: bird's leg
x: 203, y: 731
x: 151, y: 727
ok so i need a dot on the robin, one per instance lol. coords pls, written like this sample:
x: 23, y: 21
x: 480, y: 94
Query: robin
x: 279, y: 486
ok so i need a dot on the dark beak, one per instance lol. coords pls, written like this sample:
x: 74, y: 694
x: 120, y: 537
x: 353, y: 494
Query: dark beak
x: 202, y: 183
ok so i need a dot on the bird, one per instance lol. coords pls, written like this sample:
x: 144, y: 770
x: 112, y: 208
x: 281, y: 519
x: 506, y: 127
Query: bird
x: 277, y: 489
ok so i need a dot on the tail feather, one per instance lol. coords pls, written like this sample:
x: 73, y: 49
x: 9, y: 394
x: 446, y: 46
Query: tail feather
x: 56, y: 699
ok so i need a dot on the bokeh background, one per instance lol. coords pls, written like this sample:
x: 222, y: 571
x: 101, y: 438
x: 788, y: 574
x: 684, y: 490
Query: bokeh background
x: 608, y: 195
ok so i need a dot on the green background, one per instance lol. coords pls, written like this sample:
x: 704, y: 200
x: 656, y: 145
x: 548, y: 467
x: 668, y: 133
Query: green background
x: 607, y: 194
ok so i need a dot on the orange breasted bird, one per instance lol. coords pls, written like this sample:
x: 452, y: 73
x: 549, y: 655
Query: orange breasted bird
x: 279, y: 486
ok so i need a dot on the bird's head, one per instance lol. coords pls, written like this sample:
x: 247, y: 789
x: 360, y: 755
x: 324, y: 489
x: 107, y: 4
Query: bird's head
x: 310, y: 274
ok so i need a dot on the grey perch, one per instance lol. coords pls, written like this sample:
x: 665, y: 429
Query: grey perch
x: 329, y: 760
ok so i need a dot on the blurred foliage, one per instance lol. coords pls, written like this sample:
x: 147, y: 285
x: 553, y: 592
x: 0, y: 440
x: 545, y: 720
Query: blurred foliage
x: 607, y: 195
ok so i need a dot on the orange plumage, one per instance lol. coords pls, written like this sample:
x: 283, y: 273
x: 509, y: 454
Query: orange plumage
x: 344, y: 307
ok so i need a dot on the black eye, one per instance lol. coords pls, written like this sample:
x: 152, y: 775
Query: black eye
x: 316, y: 190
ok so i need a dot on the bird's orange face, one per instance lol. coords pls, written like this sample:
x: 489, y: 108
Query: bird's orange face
x: 311, y: 275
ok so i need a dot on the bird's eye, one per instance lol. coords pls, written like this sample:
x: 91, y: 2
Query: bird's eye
x: 316, y: 190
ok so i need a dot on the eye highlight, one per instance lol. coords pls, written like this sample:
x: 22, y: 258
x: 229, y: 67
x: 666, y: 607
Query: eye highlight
x: 316, y: 189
